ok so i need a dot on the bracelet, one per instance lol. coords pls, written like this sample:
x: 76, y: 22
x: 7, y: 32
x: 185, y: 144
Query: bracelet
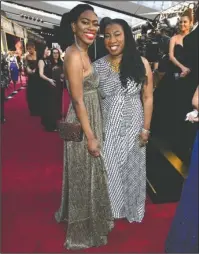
x: 146, y: 131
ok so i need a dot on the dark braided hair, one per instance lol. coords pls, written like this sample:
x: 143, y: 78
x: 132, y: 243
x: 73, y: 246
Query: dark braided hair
x: 131, y: 66
x: 65, y: 35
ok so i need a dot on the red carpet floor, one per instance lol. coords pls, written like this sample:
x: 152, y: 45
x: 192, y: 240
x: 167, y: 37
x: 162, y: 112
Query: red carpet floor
x: 31, y: 186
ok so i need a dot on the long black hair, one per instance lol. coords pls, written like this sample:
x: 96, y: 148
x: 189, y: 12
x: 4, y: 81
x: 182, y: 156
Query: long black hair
x: 65, y: 34
x: 131, y: 66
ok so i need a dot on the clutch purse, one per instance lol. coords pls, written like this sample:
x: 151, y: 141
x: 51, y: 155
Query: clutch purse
x: 70, y: 131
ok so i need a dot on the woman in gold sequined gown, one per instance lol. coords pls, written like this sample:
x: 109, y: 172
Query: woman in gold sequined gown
x: 85, y: 205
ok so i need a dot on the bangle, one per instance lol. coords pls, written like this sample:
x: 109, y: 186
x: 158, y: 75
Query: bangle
x: 146, y: 131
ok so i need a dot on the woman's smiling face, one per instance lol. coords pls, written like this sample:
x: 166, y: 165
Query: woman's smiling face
x: 86, y: 27
x: 114, y: 39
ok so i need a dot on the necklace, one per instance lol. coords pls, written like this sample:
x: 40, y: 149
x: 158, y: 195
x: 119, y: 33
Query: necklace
x: 115, y: 65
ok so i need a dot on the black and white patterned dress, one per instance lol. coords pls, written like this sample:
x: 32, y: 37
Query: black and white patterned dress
x: 125, y: 160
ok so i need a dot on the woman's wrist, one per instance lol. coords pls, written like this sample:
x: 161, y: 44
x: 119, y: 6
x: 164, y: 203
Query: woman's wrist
x: 90, y: 137
x: 145, y: 130
x: 182, y: 67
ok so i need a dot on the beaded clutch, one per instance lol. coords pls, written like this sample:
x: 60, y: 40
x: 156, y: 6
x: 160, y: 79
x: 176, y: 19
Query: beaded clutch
x: 70, y: 131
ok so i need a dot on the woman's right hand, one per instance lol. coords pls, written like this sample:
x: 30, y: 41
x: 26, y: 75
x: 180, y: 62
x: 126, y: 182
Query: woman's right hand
x: 52, y: 82
x: 93, y: 147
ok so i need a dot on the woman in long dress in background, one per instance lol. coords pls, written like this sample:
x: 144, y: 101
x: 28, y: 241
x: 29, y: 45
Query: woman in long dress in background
x: 52, y: 97
x: 58, y: 76
x: 32, y: 91
x: 172, y: 98
x: 46, y: 86
x: 126, y: 87
x: 85, y: 205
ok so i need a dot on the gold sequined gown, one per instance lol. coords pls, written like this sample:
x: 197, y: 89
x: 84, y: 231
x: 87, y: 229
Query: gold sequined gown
x: 85, y: 205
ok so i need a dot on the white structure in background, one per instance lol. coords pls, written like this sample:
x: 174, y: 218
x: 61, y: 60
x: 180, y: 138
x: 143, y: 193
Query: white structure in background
x: 101, y: 12
x: 157, y: 5
x: 45, y: 9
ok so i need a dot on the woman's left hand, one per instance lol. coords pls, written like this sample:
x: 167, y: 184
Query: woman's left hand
x: 144, y: 137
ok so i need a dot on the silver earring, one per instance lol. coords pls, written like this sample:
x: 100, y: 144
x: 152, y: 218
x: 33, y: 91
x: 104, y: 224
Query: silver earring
x: 76, y: 43
x: 75, y: 39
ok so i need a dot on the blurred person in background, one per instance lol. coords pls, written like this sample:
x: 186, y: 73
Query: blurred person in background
x: 46, y: 83
x: 14, y: 69
x: 172, y: 98
x: 31, y: 63
x: 52, y: 107
x: 5, y: 81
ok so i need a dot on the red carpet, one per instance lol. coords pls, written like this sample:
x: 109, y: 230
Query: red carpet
x: 31, y: 186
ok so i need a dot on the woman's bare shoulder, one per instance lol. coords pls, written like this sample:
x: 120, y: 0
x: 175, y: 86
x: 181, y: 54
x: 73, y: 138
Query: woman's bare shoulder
x: 72, y: 54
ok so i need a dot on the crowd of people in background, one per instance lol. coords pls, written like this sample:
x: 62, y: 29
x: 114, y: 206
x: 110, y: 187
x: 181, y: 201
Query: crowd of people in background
x: 43, y: 68
x: 45, y: 84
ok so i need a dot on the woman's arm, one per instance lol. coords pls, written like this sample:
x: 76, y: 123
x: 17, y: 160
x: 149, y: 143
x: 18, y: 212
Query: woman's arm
x: 41, y: 73
x: 73, y: 69
x: 147, y: 96
x: 172, y: 57
x: 195, y: 100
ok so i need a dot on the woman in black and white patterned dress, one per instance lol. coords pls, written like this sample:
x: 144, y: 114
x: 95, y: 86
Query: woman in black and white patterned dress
x: 123, y: 76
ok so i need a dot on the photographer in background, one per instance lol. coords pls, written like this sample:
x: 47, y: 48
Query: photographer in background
x: 155, y: 47
x: 163, y: 47
x: 161, y: 66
